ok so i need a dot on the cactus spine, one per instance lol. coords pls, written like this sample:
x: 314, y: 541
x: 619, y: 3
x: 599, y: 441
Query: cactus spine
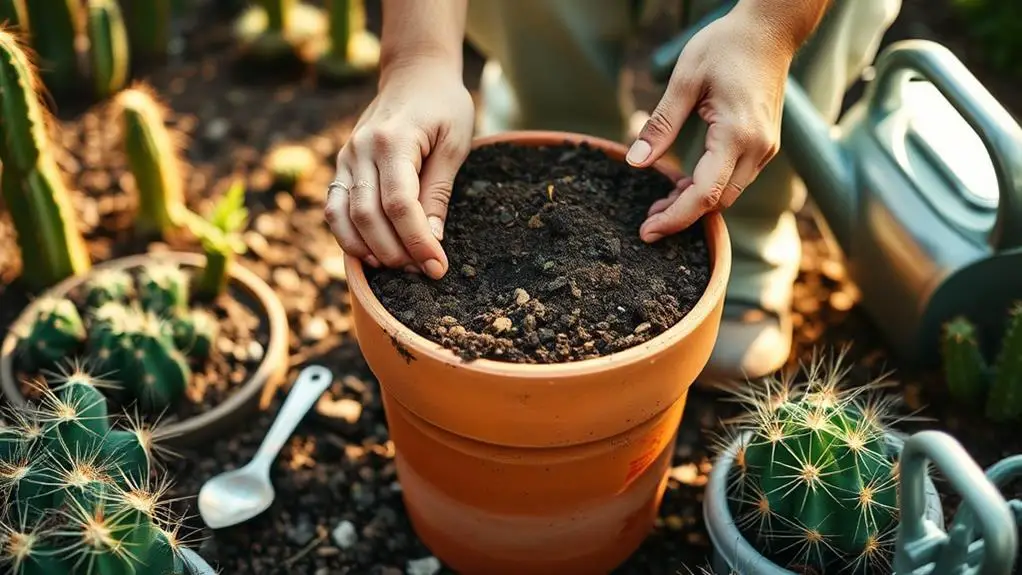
x: 109, y: 286
x: 221, y: 240
x: 108, y: 39
x: 964, y: 365
x: 813, y: 483
x: 55, y: 26
x: 149, y: 23
x: 1005, y: 401
x: 969, y: 375
x: 153, y: 160
x: 52, y: 248
x: 88, y: 508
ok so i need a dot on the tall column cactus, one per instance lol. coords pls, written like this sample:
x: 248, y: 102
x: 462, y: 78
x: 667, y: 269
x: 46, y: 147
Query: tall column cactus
x: 55, y: 26
x: 278, y: 14
x: 353, y: 50
x: 108, y: 41
x: 154, y: 161
x: 149, y: 26
x: 51, y: 245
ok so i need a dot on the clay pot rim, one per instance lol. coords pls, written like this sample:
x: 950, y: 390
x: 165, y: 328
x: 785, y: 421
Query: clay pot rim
x: 232, y: 411
x: 717, y: 239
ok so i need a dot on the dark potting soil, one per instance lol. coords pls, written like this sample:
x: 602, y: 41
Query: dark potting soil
x: 235, y: 355
x: 546, y: 264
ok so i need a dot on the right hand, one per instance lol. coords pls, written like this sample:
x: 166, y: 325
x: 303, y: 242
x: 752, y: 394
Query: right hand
x: 396, y: 171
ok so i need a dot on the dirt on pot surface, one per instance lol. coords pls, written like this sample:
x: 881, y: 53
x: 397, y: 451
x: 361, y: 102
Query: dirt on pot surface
x: 546, y: 264
x: 234, y: 357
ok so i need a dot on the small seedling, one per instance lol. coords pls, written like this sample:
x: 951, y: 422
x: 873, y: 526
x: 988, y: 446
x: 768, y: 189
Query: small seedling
x: 221, y: 240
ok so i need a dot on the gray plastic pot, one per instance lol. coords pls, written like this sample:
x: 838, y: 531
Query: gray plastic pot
x: 732, y: 554
x: 194, y: 564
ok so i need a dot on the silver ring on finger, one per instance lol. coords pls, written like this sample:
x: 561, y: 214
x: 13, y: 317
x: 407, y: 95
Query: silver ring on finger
x: 363, y: 184
x: 336, y: 185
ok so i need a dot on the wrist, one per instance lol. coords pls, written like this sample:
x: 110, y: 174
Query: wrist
x: 434, y: 63
x: 788, y: 23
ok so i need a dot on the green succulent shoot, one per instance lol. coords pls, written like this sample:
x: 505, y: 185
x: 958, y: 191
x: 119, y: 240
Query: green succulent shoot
x: 54, y: 333
x: 93, y: 508
x: 814, y: 484
x: 137, y: 348
x: 221, y: 240
x: 965, y: 368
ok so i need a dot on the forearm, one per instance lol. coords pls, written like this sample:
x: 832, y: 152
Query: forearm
x: 422, y: 29
x: 792, y: 21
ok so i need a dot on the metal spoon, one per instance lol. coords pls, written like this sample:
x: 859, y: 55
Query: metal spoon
x: 241, y: 494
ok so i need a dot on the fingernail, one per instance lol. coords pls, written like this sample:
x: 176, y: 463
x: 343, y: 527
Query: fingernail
x: 372, y: 261
x: 652, y: 238
x: 411, y: 269
x: 436, y: 225
x: 638, y: 153
x: 433, y: 269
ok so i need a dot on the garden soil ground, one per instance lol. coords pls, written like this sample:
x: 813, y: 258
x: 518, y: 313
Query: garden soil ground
x: 546, y: 263
x: 338, y: 507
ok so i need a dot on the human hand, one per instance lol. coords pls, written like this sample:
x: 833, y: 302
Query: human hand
x: 733, y: 73
x: 388, y: 202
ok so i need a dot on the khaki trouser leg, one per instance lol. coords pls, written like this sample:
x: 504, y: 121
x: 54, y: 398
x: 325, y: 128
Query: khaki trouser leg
x: 557, y: 64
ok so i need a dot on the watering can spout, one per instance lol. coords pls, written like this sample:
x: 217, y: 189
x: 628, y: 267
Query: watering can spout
x: 809, y: 144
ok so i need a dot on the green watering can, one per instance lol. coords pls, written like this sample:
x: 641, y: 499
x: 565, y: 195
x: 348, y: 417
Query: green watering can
x: 920, y: 184
x: 982, y: 538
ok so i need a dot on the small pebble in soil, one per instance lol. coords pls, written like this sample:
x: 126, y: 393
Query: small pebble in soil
x: 536, y: 246
x: 344, y: 535
x: 424, y: 566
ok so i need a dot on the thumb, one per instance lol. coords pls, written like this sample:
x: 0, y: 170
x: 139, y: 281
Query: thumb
x: 665, y: 121
x: 435, y: 186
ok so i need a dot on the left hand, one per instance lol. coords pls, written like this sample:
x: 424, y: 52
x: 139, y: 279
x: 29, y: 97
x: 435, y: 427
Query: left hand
x: 733, y: 72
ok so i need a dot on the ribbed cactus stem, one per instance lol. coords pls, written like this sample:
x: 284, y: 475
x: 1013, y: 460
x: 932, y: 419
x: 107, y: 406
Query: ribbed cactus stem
x: 55, y: 26
x: 278, y: 14
x: 1005, y: 401
x: 965, y: 368
x: 108, y: 40
x: 51, y: 245
x: 346, y: 18
x: 149, y: 27
x: 153, y: 160
x: 814, y: 484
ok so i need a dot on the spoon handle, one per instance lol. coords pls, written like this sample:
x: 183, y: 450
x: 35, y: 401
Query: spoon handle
x: 307, y: 389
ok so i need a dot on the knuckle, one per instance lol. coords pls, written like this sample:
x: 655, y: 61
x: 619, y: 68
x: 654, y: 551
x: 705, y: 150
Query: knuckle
x: 361, y: 215
x: 658, y: 125
x: 331, y: 213
x: 710, y: 199
x: 396, y: 206
x: 384, y: 140
x: 392, y: 259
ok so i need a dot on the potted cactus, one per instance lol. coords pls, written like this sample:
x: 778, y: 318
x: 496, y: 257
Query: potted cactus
x: 350, y: 51
x: 554, y: 358
x: 807, y: 479
x: 139, y: 321
x: 972, y: 379
x: 280, y: 34
x: 82, y: 496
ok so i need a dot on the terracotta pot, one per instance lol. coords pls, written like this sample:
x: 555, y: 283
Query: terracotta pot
x: 236, y: 409
x: 511, y: 468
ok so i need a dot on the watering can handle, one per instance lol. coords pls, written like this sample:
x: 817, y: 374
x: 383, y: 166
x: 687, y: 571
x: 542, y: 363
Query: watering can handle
x: 998, y: 130
x: 997, y: 523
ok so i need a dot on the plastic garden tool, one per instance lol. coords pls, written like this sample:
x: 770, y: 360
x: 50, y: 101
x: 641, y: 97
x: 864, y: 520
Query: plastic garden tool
x: 921, y: 187
x: 239, y: 495
x: 983, y: 538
